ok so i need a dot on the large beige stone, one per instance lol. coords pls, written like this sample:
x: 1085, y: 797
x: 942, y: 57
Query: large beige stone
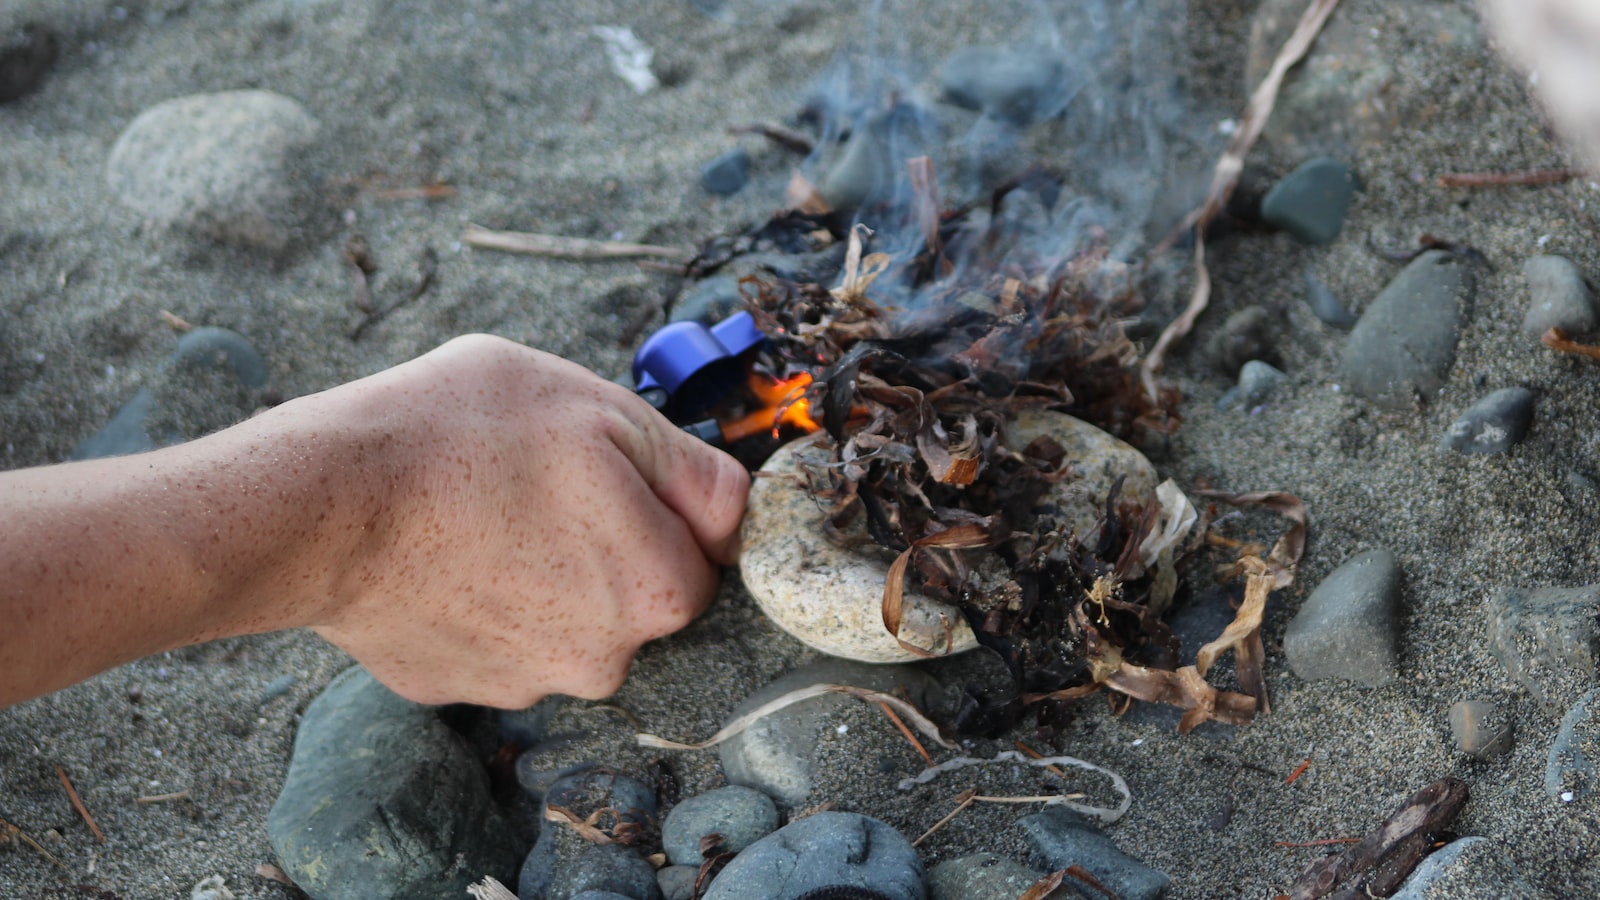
x: 831, y: 597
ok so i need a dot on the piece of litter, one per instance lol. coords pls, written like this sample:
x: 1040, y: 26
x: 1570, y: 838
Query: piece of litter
x: 629, y: 56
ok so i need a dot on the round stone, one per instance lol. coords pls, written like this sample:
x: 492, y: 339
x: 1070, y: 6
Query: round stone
x: 222, y: 165
x: 831, y: 597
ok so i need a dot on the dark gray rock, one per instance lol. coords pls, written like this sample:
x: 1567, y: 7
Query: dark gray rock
x: 1468, y: 867
x: 677, y: 882
x: 1570, y: 775
x: 1558, y: 297
x: 383, y: 800
x: 986, y: 876
x: 727, y: 174
x: 603, y: 895
x: 820, y: 851
x: 1347, y: 627
x: 1492, y: 425
x: 1257, y: 381
x: 1547, y: 639
x: 226, y: 166
x: 872, y: 158
x: 1482, y: 729
x: 1310, y: 202
x: 741, y: 815
x: 777, y: 755
x: 1325, y: 306
x: 1015, y: 85
x: 1247, y: 334
x: 711, y: 301
x: 1062, y: 838
x: 563, y: 863
x: 1403, y: 346
x: 211, y: 381
x: 26, y: 56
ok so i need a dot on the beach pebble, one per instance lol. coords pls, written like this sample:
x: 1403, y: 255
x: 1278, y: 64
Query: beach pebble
x: 1247, y: 334
x: 1482, y: 730
x: 986, y: 876
x: 221, y: 165
x: 741, y: 815
x: 1546, y: 638
x: 777, y: 755
x: 210, y: 382
x: 1404, y: 343
x: 563, y: 863
x: 1570, y: 775
x: 1325, y: 306
x: 1061, y: 838
x: 1493, y: 424
x: 26, y: 56
x: 1257, y: 381
x: 1467, y: 867
x: 212, y: 887
x: 869, y: 162
x: 382, y: 799
x: 709, y: 302
x: 1310, y: 202
x: 677, y: 882
x: 726, y: 174
x: 832, y: 597
x: 1347, y: 627
x: 826, y: 850
x: 1558, y: 297
x: 1015, y: 85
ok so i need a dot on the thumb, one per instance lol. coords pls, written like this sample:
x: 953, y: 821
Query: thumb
x: 706, y: 487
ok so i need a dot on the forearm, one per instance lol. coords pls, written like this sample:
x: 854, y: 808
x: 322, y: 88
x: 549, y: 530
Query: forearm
x: 105, y: 561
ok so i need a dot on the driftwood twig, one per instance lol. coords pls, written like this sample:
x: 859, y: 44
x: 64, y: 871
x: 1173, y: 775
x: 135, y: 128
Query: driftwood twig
x: 1377, y: 865
x: 1494, y: 179
x: 77, y: 804
x: 561, y: 247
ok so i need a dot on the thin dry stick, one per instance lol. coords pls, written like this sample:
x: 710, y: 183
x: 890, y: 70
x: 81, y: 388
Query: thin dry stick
x: 560, y: 247
x: 1325, y: 842
x: 1495, y: 179
x: 78, y: 805
x: 923, y: 751
x: 1557, y: 340
x: 1034, y: 754
x: 163, y: 798
x: 1225, y: 176
x: 963, y: 800
x: 8, y: 831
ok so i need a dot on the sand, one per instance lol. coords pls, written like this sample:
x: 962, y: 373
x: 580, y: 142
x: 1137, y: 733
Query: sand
x: 517, y: 107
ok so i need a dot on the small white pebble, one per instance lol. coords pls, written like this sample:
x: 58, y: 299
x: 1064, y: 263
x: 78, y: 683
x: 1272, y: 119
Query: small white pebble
x: 1335, y: 388
x: 843, y: 729
x: 1227, y: 126
x: 1138, y: 742
x: 111, y: 370
x: 1543, y: 239
x: 156, y: 751
x: 1568, y: 796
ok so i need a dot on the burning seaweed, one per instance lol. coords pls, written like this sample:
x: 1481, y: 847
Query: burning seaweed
x: 918, y: 406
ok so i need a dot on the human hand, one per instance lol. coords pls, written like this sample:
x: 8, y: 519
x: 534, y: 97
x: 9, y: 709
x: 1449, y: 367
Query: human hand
x: 532, y: 525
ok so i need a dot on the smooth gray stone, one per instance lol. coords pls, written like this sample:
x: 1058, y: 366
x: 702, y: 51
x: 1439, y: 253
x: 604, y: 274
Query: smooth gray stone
x: 1310, y: 202
x: 226, y: 166
x: 205, y: 384
x: 1257, y: 381
x: 777, y: 755
x: 741, y: 815
x: 383, y: 800
x: 711, y: 301
x: 1558, y: 297
x: 1062, y: 838
x: 1404, y: 343
x: 1482, y: 729
x: 1547, y: 639
x: 1474, y: 867
x: 1325, y: 306
x: 1247, y: 334
x: 26, y: 56
x: 873, y: 156
x: 1492, y: 425
x: 1018, y: 85
x: 677, y: 882
x: 986, y: 876
x: 1347, y: 627
x: 820, y: 851
x: 563, y: 863
x: 726, y: 174
x: 1570, y: 775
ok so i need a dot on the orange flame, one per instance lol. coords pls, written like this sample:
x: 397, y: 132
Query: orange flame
x: 782, y: 403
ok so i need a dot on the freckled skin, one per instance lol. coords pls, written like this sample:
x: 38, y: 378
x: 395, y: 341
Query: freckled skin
x: 484, y: 524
